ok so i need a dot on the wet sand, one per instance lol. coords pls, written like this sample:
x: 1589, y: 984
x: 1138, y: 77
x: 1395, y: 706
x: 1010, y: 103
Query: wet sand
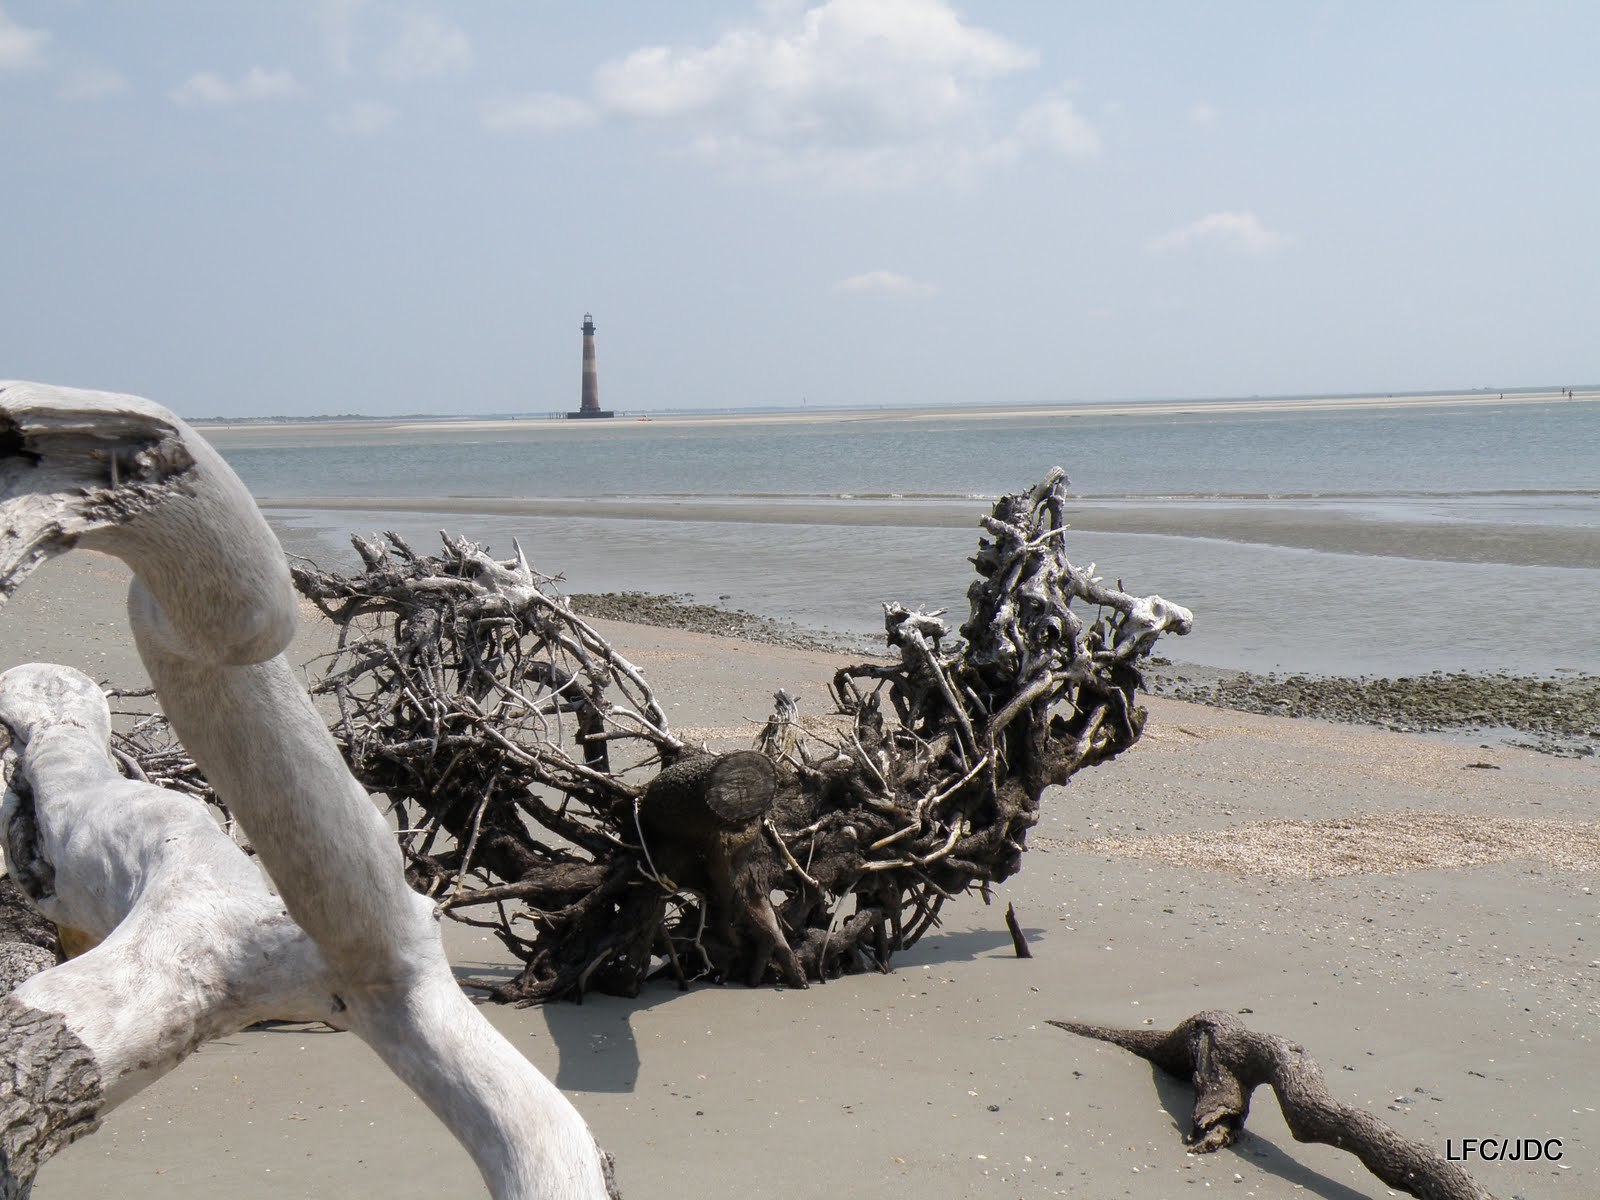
x: 1454, y: 1001
x: 1305, y: 526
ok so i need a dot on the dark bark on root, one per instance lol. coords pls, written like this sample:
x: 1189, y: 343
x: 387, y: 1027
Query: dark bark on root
x: 50, y: 1093
x: 21, y: 923
x: 28, y: 943
x: 542, y: 794
x: 1227, y: 1062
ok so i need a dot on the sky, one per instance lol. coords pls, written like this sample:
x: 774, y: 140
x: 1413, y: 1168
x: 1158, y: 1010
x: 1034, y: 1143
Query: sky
x: 301, y: 207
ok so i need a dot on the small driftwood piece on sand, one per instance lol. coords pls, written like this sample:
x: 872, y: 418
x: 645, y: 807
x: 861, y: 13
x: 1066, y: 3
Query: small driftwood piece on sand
x: 185, y: 941
x: 542, y: 794
x: 1227, y: 1062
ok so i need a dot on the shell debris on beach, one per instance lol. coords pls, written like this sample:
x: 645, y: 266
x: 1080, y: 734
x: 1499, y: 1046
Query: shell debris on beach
x: 1382, y: 843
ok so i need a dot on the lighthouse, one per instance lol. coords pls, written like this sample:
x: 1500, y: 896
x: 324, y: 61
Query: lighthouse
x: 590, y: 407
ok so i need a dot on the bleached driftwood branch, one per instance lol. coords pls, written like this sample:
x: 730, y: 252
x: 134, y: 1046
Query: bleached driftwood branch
x: 212, y: 608
x: 188, y: 942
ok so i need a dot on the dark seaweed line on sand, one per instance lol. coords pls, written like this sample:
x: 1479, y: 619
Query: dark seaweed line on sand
x: 1556, y: 716
x: 680, y: 612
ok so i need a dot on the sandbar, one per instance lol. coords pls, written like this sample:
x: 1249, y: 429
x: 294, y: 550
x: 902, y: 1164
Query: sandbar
x: 292, y: 432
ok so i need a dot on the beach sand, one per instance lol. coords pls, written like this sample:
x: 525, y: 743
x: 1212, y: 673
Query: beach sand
x: 1454, y: 1001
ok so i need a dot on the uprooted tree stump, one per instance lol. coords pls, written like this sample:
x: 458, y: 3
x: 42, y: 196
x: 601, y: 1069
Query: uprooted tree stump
x: 1227, y: 1062
x: 541, y: 794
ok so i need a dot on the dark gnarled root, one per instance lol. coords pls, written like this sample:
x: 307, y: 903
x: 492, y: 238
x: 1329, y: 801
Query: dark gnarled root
x: 1227, y: 1062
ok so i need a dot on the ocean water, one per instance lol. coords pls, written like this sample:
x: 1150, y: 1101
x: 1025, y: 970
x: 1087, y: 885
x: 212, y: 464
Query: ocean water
x: 1373, y: 541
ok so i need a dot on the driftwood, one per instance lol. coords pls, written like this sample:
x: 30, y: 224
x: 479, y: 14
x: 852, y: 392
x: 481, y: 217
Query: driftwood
x: 188, y: 944
x: 1227, y: 1062
x: 535, y: 776
x: 28, y: 942
x: 542, y: 794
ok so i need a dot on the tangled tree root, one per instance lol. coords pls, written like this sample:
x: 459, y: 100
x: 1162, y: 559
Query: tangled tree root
x: 541, y: 794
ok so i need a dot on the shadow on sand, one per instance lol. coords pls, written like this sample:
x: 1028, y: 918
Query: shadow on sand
x: 1177, y: 1097
x: 598, y: 1050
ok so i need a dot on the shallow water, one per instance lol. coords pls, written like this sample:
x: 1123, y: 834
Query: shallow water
x: 1534, y: 448
x: 1257, y: 608
x: 1350, y: 542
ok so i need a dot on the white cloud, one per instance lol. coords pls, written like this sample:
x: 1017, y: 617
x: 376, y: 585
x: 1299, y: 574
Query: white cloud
x: 337, y: 19
x: 892, y: 63
x: 541, y: 112
x: 885, y: 281
x: 1053, y: 125
x: 21, y: 49
x: 1203, y: 115
x: 93, y: 83
x: 209, y: 88
x: 363, y: 118
x: 857, y: 91
x: 1240, y: 231
x: 426, y: 47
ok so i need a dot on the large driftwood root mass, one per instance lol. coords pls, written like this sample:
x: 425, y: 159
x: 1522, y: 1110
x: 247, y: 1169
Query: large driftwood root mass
x: 181, y: 940
x: 1227, y: 1062
x: 542, y: 794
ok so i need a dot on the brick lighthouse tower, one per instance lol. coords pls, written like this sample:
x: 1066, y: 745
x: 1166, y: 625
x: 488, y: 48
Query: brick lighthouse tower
x: 591, y: 377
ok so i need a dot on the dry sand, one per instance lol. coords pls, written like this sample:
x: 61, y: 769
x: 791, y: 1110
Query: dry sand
x: 1445, y: 970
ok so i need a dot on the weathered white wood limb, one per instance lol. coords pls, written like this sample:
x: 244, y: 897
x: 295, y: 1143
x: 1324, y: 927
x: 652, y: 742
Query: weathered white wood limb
x: 211, y: 608
x: 195, y: 945
x: 86, y: 465
x: 328, y: 849
x: 191, y: 942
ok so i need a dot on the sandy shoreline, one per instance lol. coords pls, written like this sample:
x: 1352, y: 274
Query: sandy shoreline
x: 1454, y: 1001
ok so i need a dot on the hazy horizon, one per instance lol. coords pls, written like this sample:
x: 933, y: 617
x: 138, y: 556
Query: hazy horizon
x: 1582, y: 392
x: 376, y: 208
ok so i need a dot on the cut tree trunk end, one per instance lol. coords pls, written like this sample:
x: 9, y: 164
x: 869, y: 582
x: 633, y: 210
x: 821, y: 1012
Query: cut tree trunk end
x: 1227, y: 1062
